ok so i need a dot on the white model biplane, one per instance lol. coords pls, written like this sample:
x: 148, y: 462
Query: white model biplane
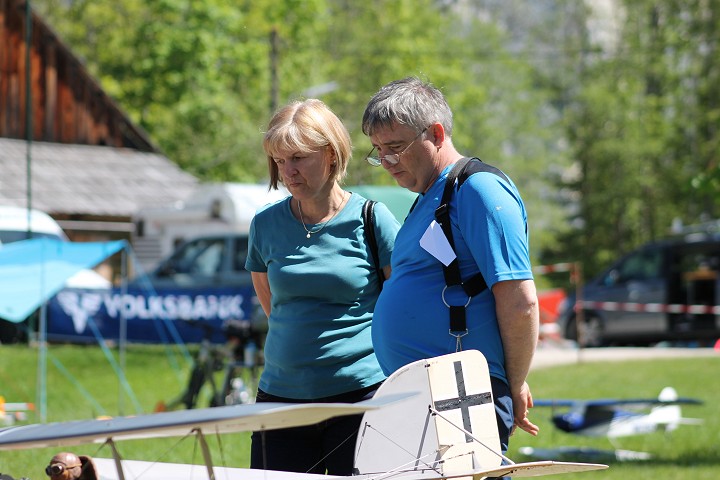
x: 431, y: 419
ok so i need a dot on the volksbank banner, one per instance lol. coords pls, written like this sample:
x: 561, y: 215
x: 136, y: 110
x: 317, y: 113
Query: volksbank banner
x: 80, y: 315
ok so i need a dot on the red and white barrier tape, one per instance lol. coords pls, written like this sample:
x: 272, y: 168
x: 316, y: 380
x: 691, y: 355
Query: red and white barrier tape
x: 557, y: 267
x: 649, y: 307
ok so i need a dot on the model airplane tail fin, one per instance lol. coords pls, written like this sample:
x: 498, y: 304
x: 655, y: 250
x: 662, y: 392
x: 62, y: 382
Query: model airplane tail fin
x: 448, y: 429
x: 422, y: 432
x: 667, y: 416
x: 670, y: 416
x: 668, y: 394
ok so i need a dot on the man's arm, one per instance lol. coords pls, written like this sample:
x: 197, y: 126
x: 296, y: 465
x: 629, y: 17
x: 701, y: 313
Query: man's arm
x: 518, y: 318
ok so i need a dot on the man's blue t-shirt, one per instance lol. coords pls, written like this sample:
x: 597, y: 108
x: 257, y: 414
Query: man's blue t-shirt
x: 324, y: 291
x: 489, y: 226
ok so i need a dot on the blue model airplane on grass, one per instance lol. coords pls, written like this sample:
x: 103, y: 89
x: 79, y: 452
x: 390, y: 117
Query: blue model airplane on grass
x: 614, y: 418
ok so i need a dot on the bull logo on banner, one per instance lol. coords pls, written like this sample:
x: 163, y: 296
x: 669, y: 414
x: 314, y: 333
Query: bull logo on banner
x: 79, y: 306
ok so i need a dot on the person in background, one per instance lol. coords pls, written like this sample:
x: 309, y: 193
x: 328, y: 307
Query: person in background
x: 409, y: 123
x: 317, y: 282
x: 68, y: 466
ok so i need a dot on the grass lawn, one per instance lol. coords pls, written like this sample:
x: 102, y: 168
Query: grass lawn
x: 688, y: 452
x: 81, y: 384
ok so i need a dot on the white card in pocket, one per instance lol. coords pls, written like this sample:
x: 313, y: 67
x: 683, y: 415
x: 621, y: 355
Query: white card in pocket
x: 436, y: 244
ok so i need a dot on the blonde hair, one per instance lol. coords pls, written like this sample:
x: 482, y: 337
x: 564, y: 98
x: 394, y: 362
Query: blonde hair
x: 307, y: 126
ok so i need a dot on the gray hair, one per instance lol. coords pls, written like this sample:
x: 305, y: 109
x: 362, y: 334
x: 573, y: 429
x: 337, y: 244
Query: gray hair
x: 410, y: 102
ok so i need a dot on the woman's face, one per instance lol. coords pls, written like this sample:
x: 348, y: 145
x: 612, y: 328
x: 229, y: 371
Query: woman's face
x: 306, y: 174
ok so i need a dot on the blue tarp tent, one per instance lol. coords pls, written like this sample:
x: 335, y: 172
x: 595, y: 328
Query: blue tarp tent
x: 33, y: 271
x: 33, y: 274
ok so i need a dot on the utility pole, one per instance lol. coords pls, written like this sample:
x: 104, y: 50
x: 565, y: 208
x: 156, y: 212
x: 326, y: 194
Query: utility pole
x: 273, y: 70
x: 28, y: 110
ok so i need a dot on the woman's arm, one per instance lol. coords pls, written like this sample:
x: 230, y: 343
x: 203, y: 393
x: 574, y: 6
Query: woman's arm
x: 262, y: 290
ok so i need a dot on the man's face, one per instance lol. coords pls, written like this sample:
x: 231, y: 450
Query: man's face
x: 415, y: 167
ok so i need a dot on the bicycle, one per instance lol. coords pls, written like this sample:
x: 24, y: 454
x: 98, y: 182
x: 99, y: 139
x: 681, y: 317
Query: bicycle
x: 240, y: 359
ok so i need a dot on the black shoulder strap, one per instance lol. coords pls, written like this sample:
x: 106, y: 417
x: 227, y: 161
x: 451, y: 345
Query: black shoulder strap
x: 460, y: 172
x: 368, y: 214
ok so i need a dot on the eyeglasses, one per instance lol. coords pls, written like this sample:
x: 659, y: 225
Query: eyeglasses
x: 391, y: 158
x: 56, y: 469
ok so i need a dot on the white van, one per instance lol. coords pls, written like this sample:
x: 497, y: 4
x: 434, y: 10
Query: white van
x: 14, y: 225
x: 14, y: 228
x: 213, y: 209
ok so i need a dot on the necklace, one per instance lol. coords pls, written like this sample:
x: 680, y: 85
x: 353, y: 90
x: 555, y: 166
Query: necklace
x: 312, y: 232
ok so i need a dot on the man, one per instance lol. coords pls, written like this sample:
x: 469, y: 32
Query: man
x: 410, y: 125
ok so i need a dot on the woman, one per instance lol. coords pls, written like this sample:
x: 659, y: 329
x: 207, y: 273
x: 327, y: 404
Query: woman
x: 316, y: 281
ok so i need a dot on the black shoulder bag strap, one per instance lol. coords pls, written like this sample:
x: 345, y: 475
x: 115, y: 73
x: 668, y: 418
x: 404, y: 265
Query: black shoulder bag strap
x: 476, y: 284
x: 368, y: 214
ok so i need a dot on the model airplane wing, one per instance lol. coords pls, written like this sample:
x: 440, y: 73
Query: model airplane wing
x: 142, y: 470
x: 536, y: 469
x: 610, y: 403
x: 229, y: 419
x: 519, y: 470
x: 640, y: 403
x: 149, y: 471
x: 585, y: 454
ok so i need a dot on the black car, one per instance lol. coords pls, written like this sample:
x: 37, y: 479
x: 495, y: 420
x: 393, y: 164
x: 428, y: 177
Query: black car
x: 666, y: 290
x: 210, y: 268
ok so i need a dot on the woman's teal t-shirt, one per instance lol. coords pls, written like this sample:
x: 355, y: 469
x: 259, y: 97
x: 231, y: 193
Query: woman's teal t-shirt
x: 324, y: 290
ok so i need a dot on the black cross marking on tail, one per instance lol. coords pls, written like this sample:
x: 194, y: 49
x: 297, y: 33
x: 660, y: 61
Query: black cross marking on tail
x: 463, y: 401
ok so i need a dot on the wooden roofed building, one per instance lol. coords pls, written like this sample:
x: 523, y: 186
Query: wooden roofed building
x: 74, y: 153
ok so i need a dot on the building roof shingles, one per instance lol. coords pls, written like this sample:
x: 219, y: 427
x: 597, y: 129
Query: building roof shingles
x: 89, y: 180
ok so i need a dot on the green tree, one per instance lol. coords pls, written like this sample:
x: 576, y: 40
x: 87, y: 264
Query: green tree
x: 203, y: 78
x: 195, y: 75
x: 500, y: 111
x: 693, y: 46
x: 642, y: 126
